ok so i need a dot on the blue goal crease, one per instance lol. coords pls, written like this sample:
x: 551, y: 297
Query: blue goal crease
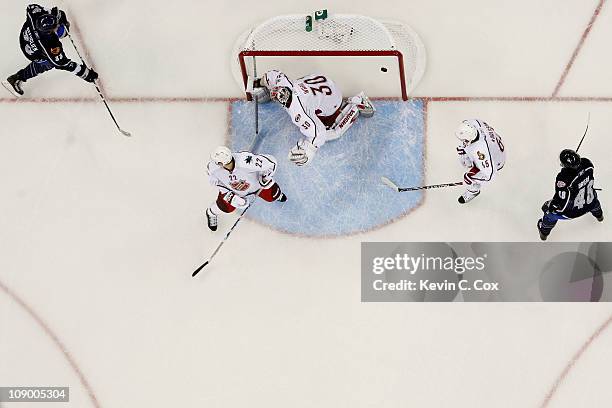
x: 340, y: 192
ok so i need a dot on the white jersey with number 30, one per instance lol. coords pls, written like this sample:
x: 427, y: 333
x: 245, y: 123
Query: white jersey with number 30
x: 319, y: 93
x: 313, y: 95
x: 487, y: 152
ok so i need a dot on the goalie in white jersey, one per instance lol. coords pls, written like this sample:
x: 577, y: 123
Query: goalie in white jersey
x: 240, y: 176
x: 316, y: 107
x: 481, y: 152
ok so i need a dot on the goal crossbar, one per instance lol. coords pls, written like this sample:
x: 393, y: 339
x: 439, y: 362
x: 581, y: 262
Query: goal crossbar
x: 324, y: 53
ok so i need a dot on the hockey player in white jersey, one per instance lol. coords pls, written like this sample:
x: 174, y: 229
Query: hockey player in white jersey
x: 239, y: 177
x: 481, y: 152
x: 316, y: 107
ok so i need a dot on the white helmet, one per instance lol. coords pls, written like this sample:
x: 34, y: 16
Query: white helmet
x: 466, y: 132
x: 222, y: 155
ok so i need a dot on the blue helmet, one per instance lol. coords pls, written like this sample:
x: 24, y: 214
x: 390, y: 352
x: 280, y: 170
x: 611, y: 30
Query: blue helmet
x: 46, y: 23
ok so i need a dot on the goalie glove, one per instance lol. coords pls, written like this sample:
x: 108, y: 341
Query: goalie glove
x: 302, y: 153
x: 258, y: 88
x: 61, y: 17
x: 235, y: 200
x: 464, y: 159
x: 260, y: 82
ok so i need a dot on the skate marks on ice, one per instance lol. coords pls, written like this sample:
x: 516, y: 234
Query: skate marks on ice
x: 340, y: 193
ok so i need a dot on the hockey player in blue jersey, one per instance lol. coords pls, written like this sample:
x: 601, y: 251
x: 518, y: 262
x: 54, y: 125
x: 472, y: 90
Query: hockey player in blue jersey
x: 40, y: 43
x: 574, y: 193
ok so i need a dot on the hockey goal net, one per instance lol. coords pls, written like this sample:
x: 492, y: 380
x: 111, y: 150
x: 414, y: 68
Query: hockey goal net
x: 383, y: 58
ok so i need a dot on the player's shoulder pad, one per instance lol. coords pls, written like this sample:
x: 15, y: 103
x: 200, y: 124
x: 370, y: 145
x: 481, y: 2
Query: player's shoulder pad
x: 474, y: 122
x: 269, y: 158
x: 565, y: 177
x: 245, y: 159
x: 585, y: 163
x: 34, y: 9
x: 211, y: 167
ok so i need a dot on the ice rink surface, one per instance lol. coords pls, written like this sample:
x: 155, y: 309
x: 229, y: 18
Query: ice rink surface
x: 99, y: 233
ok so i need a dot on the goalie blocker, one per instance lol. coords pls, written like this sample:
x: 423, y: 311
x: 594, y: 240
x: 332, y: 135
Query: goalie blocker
x: 316, y: 107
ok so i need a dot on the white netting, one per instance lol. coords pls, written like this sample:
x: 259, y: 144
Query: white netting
x: 339, y: 32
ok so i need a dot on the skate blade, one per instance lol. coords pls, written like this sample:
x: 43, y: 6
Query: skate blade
x: 9, y: 88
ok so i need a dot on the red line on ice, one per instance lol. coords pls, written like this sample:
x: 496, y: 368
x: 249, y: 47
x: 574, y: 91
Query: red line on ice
x: 585, y: 34
x: 218, y: 99
x: 45, y: 327
x: 573, y: 361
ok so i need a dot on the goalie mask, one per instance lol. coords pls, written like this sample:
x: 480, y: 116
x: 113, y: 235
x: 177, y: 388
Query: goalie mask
x: 466, y: 133
x: 281, y: 94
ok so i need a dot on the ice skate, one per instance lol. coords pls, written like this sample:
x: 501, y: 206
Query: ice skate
x: 467, y: 197
x: 13, y: 85
x: 543, y: 236
x: 212, y: 220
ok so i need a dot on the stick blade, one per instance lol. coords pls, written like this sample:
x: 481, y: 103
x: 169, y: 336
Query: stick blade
x: 389, y: 183
x: 125, y: 133
x: 199, y: 269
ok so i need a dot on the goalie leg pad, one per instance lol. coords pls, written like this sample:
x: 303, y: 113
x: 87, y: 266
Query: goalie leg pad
x: 366, y: 108
x: 345, y: 120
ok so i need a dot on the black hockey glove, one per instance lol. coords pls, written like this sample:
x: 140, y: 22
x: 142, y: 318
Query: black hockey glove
x: 61, y: 17
x: 91, y: 75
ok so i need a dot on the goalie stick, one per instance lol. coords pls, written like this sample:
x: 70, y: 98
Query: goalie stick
x: 395, y: 187
x: 123, y: 132
x: 255, y: 143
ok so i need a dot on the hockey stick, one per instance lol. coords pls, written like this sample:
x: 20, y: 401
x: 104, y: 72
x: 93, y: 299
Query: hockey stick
x: 123, y: 132
x: 227, y: 234
x: 395, y: 187
x: 585, y: 132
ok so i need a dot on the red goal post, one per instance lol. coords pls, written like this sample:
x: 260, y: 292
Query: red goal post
x: 359, y: 48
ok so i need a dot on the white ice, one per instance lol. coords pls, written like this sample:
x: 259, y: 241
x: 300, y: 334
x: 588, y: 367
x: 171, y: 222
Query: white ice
x: 99, y: 233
